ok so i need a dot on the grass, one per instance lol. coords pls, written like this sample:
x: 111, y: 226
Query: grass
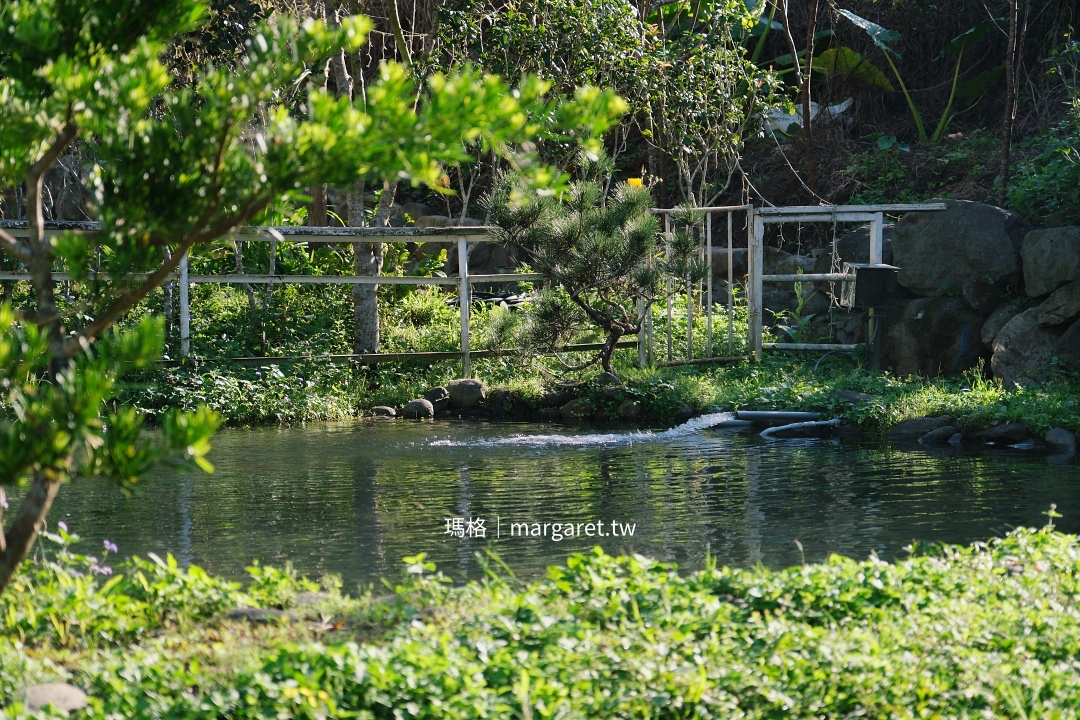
x: 989, y: 631
x: 296, y: 323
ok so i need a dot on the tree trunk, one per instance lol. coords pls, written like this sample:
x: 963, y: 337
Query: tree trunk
x: 609, y: 349
x: 29, y: 521
x: 368, y: 260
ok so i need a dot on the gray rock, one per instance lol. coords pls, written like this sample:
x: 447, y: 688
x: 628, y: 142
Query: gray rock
x: 995, y: 322
x: 968, y: 249
x: 1023, y: 350
x: 605, y: 378
x: 465, y: 394
x: 932, y: 337
x: 1062, y: 441
x: 956, y: 439
x: 1051, y: 259
x: 383, y: 411
x: 912, y: 430
x: 720, y: 262
x: 630, y: 410
x: 938, y: 436
x: 547, y: 414
x: 1067, y: 348
x: 63, y: 697
x: 1062, y: 306
x: 439, y: 397
x: 613, y: 392
x: 415, y: 210
x: 467, y: 222
x: 419, y: 409
x: 577, y: 409
x: 502, y: 402
x: 260, y: 615
x: 1006, y: 433
x: 561, y: 394
x: 854, y: 247
x: 431, y: 221
x: 683, y: 413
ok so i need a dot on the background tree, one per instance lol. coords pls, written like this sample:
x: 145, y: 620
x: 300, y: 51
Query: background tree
x: 603, y: 256
x: 180, y: 168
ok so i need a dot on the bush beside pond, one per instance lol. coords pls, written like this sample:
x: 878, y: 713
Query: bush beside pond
x: 990, y: 630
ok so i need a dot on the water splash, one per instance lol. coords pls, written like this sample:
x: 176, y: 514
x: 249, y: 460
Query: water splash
x: 691, y: 427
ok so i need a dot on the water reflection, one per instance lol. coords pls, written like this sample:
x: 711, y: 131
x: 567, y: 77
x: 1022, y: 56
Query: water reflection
x: 354, y: 499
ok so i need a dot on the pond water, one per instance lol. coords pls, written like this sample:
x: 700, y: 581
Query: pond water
x: 354, y: 499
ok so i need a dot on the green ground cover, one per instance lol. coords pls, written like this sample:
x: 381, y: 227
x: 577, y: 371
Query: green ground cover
x: 309, y: 390
x: 989, y: 631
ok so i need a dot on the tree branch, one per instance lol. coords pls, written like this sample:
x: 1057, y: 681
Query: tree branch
x: 14, y: 247
x: 128, y: 300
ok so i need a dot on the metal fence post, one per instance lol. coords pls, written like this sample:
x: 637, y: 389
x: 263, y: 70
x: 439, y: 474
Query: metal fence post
x: 464, y: 303
x: 730, y: 291
x: 755, y: 289
x: 708, y: 286
x: 185, y: 309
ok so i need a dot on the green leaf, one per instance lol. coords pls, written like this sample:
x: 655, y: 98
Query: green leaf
x: 881, y: 36
x: 846, y: 62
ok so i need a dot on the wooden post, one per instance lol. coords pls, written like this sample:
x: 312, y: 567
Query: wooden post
x: 465, y: 304
x: 755, y: 289
x: 185, y: 309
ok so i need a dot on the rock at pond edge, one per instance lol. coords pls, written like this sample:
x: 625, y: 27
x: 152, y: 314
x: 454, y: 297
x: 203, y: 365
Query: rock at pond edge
x: 466, y: 393
x: 418, y: 409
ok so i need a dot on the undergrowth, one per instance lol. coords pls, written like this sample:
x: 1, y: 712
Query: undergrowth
x: 990, y: 631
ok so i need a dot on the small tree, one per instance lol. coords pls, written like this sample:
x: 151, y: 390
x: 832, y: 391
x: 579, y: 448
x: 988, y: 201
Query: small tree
x: 181, y: 168
x: 604, y: 257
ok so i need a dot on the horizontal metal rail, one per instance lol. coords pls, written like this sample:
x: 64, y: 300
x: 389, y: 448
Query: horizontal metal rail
x: 810, y: 346
x: 375, y: 358
x: 238, y: 279
x: 829, y: 210
x: 806, y: 277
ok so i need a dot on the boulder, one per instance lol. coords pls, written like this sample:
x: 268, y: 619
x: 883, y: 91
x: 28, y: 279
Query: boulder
x: 1062, y: 306
x: 439, y: 397
x: 1006, y: 433
x: 63, y: 697
x: 431, y: 221
x: 912, y: 430
x: 938, y: 436
x: 1022, y: 350
x: 577, y: 409
x: 419, y: 409
x: 720, y: 263
x: 995, y: 322
x: 562, y: 393
x: 1062, y: 441
x: 931, y: 337
x: 968, y: 249
x: 465, y: 394
x: 415, y: 210
x: 1067, y: 348
x: 684, y: 413
x: 630, y: 410
x: 605, y: 379
x: 854, y: 247
x: 503, y: 403
x: 383, y: 411
x: 1051, y: 259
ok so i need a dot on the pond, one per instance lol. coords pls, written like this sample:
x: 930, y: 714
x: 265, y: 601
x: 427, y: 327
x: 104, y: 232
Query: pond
x: 354, y: 499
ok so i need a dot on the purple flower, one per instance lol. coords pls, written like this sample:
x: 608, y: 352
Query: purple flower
x: 110, y: 546
x: 62, y: 525
x: 101, y: 570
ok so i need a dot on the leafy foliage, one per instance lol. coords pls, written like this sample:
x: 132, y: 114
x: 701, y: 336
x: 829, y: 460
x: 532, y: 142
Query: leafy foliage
x: 987, y: 630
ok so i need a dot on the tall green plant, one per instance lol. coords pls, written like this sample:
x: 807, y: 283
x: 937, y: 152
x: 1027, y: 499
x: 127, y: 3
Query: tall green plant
x: 885, y: 38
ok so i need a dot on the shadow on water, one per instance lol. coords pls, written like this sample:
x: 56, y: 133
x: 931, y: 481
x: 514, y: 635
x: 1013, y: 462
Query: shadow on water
x: 355, y: 498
